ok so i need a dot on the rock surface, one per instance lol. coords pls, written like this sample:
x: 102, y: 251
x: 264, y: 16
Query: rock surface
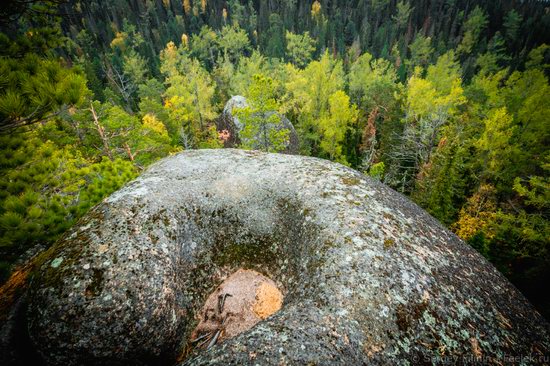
x: 235, y: 102
x: 367, y: 276
x: 231, y: 123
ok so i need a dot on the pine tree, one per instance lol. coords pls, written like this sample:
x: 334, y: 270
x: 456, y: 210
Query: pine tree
x: 262, y: 125
x: 299, y: 48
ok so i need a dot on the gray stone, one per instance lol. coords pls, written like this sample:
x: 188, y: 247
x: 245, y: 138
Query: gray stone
x: 367, y: 276
x: 235, y: 102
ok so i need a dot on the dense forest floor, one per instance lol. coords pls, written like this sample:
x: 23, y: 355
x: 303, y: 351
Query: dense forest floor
x: 445, y: 101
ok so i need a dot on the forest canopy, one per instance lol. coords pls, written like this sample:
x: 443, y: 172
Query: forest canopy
x: 444, y: 101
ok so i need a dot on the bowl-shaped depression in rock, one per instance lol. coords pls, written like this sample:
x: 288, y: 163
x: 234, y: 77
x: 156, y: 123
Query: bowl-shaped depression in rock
x: 367, y: 276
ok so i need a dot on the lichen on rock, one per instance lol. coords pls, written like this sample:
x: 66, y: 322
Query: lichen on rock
x: 367, y: 276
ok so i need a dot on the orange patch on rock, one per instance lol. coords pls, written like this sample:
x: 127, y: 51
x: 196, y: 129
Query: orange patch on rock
x: 14, y: 287
x: 268, y: 300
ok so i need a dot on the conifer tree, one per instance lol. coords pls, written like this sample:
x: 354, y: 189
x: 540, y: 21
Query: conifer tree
x: 262, y: 124
x: 299, y: 48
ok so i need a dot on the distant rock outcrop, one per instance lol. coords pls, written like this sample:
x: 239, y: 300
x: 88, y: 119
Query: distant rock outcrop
x: 236, y: 102
x: 231, y: 123
x: 367, y: 277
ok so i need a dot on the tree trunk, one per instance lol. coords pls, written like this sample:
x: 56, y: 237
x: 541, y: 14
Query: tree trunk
x: 101, y: 132
x: 129, y: 152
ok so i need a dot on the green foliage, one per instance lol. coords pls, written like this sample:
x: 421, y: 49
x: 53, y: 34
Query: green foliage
x: 134, y: 67
x: 490, y: 61
x: 441, y: 183
x: 299, y: 48
x: 421, y: 51
x: 440, y: 93
x: 34, y: 89
x: 404, y: 10
x: 307, y: 96
x: 274, y: 37
x: 249, y: 67
x: 374, y: 83
x: 432, y: 103
x: 212, y: 139
x: 473, y: 26
x: 445, y: 73
x: 233, y: 42
x: 204, y: 45
x: 377, y: 170
x: 374, y: 87
x: 334, y: 124
x: 494, y: 143
x: 262, y: 129
x: 536, y: 190
x: 539, y: 57
x: 512, y: 23
x: 188, y: 97
x: 45, y: 189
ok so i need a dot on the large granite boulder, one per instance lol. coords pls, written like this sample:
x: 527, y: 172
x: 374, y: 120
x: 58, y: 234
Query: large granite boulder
x: 367, y: 276
x: 234, y: 103
x: 229, y: 124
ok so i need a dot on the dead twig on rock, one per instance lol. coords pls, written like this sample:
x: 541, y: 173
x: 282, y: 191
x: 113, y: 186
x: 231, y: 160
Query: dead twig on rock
x: 215, y: 338
x: 221, y: 302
